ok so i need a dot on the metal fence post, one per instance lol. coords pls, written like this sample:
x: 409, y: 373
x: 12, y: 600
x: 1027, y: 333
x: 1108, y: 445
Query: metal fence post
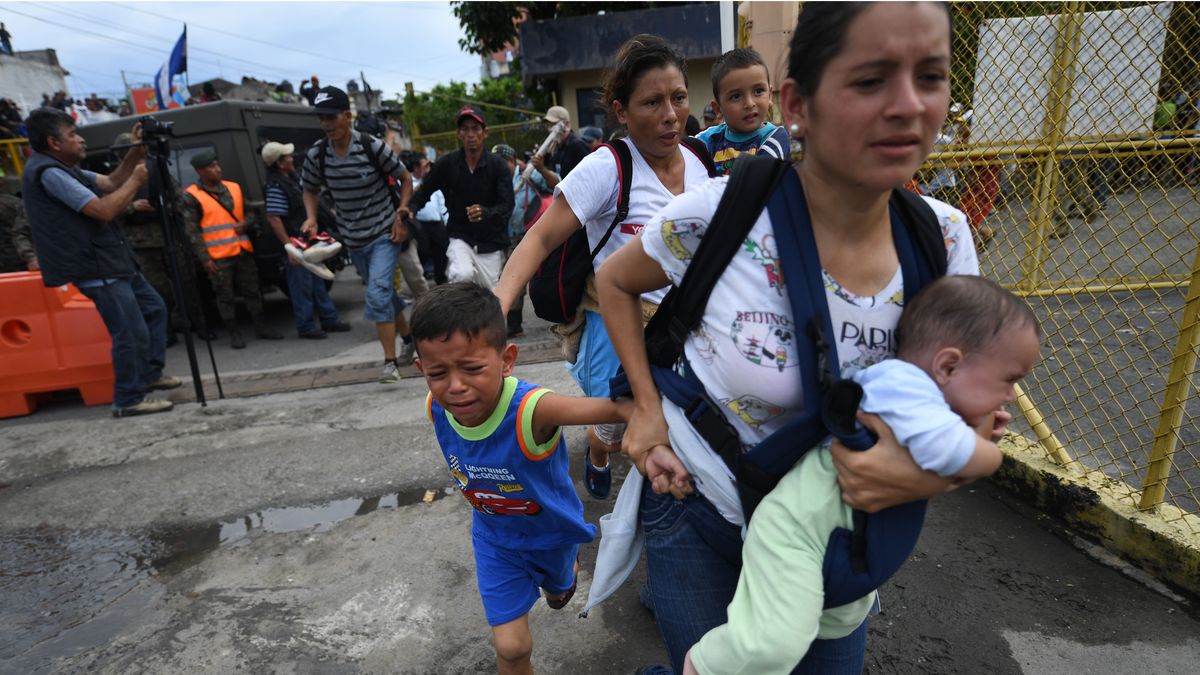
x: 1166, y: 436
x: 1054, y: 447
x: 1062, y: 77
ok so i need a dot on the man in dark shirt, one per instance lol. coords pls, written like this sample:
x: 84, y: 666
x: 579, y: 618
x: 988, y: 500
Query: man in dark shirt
x: 479, y: 201
x: 571, y: 149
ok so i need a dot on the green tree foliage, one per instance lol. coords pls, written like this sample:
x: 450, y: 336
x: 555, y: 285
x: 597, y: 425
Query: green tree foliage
x: 488, y: 25
x: 434, y: 111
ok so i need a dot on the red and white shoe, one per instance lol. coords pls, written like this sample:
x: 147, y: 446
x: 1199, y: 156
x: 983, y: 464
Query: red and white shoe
x: 297, y: 254
x: 321, y: 248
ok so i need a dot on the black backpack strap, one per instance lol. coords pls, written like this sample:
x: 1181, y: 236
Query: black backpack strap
x: 624, y: 180
x: 751, y: 181
x: 373, y: 157
x: 699, y: 149
x: 322, y: 154
x: 924, y: 227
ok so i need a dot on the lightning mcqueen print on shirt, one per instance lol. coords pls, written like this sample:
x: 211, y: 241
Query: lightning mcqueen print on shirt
x: 486, y: 501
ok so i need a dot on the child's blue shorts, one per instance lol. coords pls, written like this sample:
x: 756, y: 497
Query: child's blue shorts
x: 510, y: 582
x: 597, y: 361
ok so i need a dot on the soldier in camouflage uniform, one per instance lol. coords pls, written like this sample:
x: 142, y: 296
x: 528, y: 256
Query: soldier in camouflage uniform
x: 217, y: 224
x: 16, y: 242
x: 144, y: 229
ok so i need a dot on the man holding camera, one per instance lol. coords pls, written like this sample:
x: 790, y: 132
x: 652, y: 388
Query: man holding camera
x: 71, y: 213
x: 215, y: 219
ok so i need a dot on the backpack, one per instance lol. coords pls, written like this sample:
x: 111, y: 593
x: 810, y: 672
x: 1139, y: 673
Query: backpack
x: 856, y: 561
x: 535, y: 204
x: 557, y: 286
x: 373, y: 158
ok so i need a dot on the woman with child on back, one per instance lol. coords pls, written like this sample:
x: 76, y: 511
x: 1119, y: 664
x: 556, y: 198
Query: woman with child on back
x: 866, y: 95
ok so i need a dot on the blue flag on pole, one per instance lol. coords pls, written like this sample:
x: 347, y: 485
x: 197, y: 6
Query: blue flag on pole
x: 169, y: 84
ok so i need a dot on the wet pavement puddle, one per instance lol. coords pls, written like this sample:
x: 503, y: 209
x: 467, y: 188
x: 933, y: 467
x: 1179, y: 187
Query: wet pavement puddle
x: 66, y: 591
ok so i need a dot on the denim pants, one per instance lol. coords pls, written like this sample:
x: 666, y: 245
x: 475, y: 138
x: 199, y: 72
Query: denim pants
x: 376, y: 264
x: 309, y: 295
x: 694, y: 558
x: 136, y: 319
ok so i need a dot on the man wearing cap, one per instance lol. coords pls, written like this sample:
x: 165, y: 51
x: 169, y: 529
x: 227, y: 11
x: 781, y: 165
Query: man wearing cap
x: 710, y: 117
x: 355, y: 168
x: 479, y: 201
x: 592, y: 137
x: 571, y: 149
x: 285, y: 214
x: 71, y: 213
x: 215, y: 219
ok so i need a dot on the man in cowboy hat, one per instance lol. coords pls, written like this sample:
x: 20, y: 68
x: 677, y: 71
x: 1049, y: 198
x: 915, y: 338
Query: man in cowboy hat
x: 285, y: 214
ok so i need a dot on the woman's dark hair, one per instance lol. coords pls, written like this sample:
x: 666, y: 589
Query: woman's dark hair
x: 820, y: 35
x: 639, y: 54
x: 44, y: 124
x: 692, y: 126
x: 461, y: 307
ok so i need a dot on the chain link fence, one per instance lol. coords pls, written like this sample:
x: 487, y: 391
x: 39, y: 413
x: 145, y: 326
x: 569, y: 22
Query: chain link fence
x: 522, y: 136
x: 1073, y: 149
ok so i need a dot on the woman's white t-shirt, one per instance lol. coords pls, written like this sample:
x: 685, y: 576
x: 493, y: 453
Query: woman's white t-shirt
x: 744, y: 351
x: 591, y: 192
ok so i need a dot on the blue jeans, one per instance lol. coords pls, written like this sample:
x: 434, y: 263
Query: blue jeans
x: 694, y: 558
x: 136, y: 319
x: 308, y: 295
x: 376, y: 264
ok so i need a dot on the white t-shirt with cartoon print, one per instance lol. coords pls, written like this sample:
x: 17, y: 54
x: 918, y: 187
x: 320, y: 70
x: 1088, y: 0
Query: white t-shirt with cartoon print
x: 744, y: 351
x: 591, y: 192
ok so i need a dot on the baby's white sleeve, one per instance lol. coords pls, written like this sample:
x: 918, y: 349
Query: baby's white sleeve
x: 913, y: 406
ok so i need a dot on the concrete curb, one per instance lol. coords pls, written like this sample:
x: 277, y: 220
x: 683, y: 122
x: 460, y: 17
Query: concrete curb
x: 1164, y: 541
x: 255, y: 383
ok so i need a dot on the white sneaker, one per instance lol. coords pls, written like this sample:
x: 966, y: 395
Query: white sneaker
x: 321, y: 251
x: 391, y: 373
x: 298, y: 255
x: 406, y: 354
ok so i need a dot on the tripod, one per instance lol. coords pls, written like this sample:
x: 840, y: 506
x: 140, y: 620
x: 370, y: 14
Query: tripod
x: 155, y: 139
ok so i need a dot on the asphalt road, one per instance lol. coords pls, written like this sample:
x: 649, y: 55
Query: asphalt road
x: 290, y: 533
x: 1106, y: 357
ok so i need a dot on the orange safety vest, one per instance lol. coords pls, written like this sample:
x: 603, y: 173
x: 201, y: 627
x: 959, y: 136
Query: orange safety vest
x: 216, y: 225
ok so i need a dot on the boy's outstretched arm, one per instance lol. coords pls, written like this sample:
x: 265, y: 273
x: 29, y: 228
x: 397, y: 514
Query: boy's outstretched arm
x: 558, y: 410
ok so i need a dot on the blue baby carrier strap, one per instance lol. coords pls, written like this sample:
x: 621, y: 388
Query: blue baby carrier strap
x: 856, y: 561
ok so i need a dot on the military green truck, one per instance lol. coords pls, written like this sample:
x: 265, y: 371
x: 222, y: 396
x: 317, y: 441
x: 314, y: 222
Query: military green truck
x: 237, y: 130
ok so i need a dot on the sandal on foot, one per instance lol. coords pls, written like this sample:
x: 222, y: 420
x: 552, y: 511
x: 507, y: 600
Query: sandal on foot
x: 561, y: 600
x: 597, y: 481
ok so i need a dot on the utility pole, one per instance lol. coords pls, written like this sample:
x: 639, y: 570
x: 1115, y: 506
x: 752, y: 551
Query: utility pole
x: 128, y: 91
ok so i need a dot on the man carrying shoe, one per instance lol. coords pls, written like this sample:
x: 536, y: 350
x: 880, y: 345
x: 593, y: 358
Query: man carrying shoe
x: 71, y: 213
x: 354, y: 168
x: 285, y: 214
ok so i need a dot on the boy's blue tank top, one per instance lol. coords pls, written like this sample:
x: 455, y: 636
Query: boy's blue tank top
x: 521, y: 491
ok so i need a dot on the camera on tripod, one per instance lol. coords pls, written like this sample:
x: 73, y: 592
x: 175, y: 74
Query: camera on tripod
x: 156, y: 127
